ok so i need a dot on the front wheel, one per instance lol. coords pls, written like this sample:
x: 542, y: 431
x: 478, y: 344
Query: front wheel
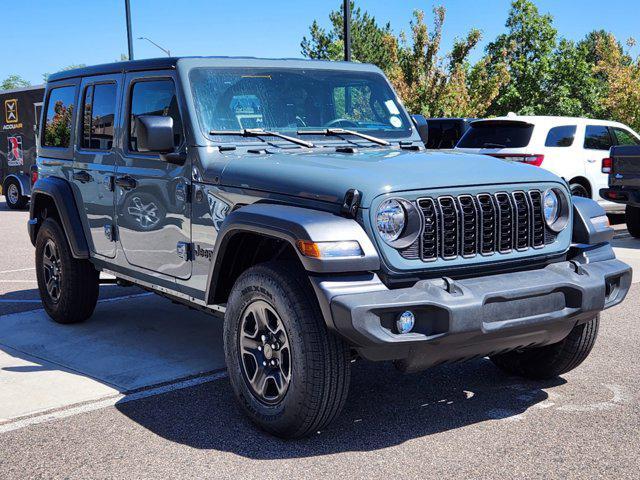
x: 288, y: 372
x: 578, y: 190
x: 551, y: 360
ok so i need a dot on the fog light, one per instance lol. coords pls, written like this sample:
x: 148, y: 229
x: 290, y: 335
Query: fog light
x: 405, y: 322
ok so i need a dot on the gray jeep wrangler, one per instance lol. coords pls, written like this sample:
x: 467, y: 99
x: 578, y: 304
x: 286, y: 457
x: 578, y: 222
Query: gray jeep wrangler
x: 295, y: 199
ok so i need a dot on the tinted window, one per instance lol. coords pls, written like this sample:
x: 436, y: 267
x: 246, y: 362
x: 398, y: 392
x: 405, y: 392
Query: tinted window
x: 444, y: 133
x: 500, y: 134
x: 57, y: 124
x: 561, y: 136
x: 624, y: 137
x: 157, y: 97
x: 597, y: 138
x: 99, y: 112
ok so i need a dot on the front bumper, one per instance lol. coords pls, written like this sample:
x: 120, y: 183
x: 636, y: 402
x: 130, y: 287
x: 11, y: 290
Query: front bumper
x: 456, y: 320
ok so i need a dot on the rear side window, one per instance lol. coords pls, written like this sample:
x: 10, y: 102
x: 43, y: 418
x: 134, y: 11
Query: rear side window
x: 624, y: 137
x: 561, y: 136
x: 499, y: 134
x: 99, y: 113
x: 57, y: 123
x: 597, y: 137
x: 157, y: 97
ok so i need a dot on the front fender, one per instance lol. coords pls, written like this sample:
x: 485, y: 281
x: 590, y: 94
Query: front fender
x: 59, y: 192
x: 292, y: 224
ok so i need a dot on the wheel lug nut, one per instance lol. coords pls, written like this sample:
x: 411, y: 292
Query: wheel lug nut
x: 263, y: 338
x: 274, y: 346
x: 259, y: 349
x: 264, y: 364
x: 273, y: 362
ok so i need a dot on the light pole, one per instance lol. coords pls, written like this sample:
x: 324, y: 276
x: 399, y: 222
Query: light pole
x: 347, y: 30
x: 168, y: 52
x: 127, y: 9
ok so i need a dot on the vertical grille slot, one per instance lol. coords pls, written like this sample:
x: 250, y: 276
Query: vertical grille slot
x: 505, y: 222
x: 430, y: 232
x: 522, y: 220
x: 488, y: 220
x: 449, y: 236
x: 469, y: 226
x: 537, y: 216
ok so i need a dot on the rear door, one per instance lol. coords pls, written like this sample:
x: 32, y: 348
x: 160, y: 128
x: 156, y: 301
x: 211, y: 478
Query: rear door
x: 597, y: 143
x: 95, y: 159
x: 153, y: 204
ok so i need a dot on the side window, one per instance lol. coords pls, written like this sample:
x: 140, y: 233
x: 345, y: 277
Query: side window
x: 561, y: 136
x: 156, y: 97
x: 624, y: 137
x: 597, y: 137
x: 57, y: 123
x: 98, y: 116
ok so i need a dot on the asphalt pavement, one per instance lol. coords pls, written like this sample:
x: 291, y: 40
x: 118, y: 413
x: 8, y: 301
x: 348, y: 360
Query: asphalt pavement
x: 139, y: 391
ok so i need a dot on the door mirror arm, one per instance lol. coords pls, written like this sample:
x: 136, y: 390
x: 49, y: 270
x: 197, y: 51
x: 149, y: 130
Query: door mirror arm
x: 174, y: 158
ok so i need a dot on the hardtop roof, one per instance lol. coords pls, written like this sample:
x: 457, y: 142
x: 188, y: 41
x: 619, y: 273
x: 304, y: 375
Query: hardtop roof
x: 172, y: 63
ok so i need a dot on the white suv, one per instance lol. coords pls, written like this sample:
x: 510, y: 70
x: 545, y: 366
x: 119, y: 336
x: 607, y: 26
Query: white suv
x: 572, y: 148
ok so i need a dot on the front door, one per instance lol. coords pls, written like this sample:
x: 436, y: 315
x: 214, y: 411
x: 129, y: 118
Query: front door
x: 95, y: 159
x: 153, y: 205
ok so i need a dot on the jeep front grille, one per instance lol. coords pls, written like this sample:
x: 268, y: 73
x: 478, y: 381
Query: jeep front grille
x: 484, y: 224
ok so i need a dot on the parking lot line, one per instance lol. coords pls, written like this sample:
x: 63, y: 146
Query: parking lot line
x: 17, y: 270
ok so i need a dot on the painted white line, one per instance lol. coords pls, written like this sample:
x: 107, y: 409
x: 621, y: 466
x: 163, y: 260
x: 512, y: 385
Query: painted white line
x: 18, y: 270
x: 126, y: 297
x: 18, y: 281
x: 20, y: 301
x: 108, y: 402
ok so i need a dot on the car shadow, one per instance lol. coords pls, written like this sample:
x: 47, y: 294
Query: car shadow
x: 384, y: 408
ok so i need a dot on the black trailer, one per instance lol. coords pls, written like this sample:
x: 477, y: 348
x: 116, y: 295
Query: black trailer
x: 20, y: 111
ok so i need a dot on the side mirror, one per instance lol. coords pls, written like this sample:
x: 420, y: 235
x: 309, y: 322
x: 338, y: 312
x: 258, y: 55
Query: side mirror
x: 154, y: 133
x: 422, y: 126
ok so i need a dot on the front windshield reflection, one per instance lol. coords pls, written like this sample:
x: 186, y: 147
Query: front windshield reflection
x: 292, y: 100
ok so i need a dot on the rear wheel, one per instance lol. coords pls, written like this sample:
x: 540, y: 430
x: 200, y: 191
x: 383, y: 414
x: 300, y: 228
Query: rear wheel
x: 579, y: 190
x: 551, y: 360
x: 288, y: 372
x: 68, y: 287
x: 632, y: 215
x: 13, y: 195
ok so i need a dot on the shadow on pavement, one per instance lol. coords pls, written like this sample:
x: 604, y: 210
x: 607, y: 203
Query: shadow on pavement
x: 384, y: 408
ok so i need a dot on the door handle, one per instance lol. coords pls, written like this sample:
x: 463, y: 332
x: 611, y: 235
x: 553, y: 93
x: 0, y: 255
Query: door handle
x: 126, y: 182
x: 82, y: 176
x: 591, y: 160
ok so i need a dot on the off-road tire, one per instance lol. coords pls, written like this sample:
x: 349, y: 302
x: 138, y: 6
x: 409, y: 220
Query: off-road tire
x: 319, y: 360
x: 20, y: 201
x: 632, y: 215
x: 551, y: 360
x: 578, y: 190
x: 78, y: 279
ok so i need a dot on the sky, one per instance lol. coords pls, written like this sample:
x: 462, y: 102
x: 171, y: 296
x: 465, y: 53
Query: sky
x: 43, y: 36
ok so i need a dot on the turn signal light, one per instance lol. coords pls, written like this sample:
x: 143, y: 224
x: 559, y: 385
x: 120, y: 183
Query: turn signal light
x: 34, y: 175
x: 607, y: 163
x: 329, y: 249
x: 535, y: 160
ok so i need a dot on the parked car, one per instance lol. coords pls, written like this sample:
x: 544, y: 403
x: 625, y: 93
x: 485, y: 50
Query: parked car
x: 19, y: 119
x: 572, y: 148
x: 306, y: 213
x: 444, y: 133
x: 623, y: 170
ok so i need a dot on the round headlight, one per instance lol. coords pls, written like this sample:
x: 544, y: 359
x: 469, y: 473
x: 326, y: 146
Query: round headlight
x: 551, y: 207
x: 390, y: 220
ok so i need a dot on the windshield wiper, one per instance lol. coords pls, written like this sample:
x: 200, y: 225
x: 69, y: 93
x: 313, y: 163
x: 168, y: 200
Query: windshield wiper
x: 259, y: 132
x: 336, y: 132
x: 493, y: 145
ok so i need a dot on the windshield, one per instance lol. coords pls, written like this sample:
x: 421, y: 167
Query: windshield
x: 289, y: 100
x: 497, y: 134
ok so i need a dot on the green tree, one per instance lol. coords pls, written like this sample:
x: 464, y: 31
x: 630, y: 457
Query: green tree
x: 14, y: 81
x: 370, y: 42
x: 527, y: 49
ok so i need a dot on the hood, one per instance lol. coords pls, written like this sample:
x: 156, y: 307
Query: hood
x: 328, y: 176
